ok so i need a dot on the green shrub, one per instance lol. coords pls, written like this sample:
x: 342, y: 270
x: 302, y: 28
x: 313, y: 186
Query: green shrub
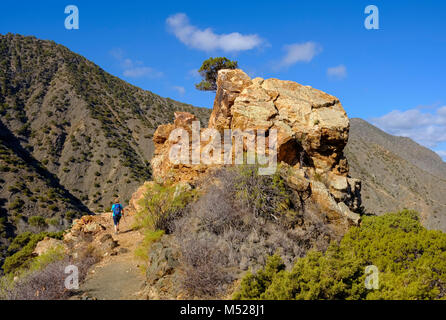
x: 252, y: 286
x: 4, y: 168
x: 52, y: 222
x: 13, y: 189
x: 264, y: 195
x: 40, y: 262
x: 3, y: 221
x: 70, y: 215
x: 411, y: 261
x: 160, y: 205
x: 21, y: 250
x: 53, y: 207
x: 17, y: 204
x: 37, y: 221
x: 142, y: 252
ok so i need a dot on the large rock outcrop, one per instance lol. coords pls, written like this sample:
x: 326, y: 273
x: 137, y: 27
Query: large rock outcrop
x: 163, y: 168
x: 312, y: 125
x: 312, y: 131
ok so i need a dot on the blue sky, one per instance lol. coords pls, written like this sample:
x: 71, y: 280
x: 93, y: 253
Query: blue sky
x: 393, y: 77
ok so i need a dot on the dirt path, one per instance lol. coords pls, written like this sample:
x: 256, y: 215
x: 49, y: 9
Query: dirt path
x: 116, y: 277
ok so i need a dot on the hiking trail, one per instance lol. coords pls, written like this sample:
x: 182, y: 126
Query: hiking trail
x: 116, y: 277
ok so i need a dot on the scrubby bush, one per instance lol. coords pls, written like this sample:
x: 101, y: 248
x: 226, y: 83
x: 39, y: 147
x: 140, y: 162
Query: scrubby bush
x: 17, y: 204
x: 44, y: 279
x: 253, y: 285
x: 21, y: 249
x: 411, y: 261
x: 149, y: 238
x: 161, y: 205
x: 241, y: 219
x: 203, y: 262
x: 52, y: 222
x: 53, y: 207
x: 37, y: 221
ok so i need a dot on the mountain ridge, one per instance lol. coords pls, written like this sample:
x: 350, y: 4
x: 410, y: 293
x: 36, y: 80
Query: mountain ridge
x: 397, y: 173
x: 426, y: 159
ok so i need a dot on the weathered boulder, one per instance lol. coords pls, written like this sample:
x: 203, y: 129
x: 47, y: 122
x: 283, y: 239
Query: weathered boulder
x: 337, y: 212
x: 162, y: 272
x: 86, y: 229
x: 46, y: 245
x: 107, y: 243
x: 312, y: 125
x: 134, y: 203
x: 87, y: 224
x: 230, y: 84
x: 184, y: 119
x: 163, y: 168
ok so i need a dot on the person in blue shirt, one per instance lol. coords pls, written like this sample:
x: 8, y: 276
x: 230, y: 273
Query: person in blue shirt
x: 118, y: 212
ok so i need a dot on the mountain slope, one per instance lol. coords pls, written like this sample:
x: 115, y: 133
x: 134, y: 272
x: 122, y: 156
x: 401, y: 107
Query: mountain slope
x: 73, y: 137
x: 397, y: 173
x: 31, y: 198
x: 90, y: 129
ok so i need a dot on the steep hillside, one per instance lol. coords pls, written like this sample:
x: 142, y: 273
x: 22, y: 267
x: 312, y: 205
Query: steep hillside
x: 90, y: 129
x: 72, y: 136
x: 397, y: 173
x: 31, y: 198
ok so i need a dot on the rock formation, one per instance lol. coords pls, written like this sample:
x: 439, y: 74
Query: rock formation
x: 312, y: 131
x: 46, y: 245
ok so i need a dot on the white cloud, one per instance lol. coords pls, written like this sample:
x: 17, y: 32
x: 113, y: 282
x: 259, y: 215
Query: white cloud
x: 117, y: 53
x: 133, y: 69
x: 180, y: 90
x: 300, y: 52
x: 442, y: 153
x: 427, y: 128
x: 339, y: 72
x: 139, y: 72
x: 206, y: 39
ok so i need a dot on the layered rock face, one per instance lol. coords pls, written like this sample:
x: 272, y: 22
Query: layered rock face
x: 163, y: 168
x: 312, y: 131
x: 312, y: 125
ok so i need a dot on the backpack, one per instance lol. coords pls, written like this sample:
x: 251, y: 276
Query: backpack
x: 117, y: 209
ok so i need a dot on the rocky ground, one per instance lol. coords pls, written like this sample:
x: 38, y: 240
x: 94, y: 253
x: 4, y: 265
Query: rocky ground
x: 117, y: 276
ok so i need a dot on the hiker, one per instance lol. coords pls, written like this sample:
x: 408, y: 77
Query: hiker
x: 118, y: 212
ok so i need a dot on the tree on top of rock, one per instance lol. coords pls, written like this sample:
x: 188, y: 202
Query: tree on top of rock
x: 209, y: 72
